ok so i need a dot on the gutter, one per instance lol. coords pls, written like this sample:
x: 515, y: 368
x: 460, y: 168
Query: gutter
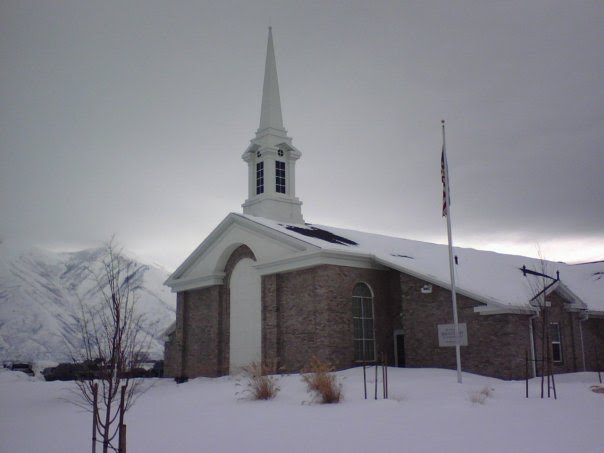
x: 583, y: 316
x: 532, y: 340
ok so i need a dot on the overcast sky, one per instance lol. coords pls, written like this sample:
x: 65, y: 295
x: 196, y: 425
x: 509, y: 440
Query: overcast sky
x: 130, y: 117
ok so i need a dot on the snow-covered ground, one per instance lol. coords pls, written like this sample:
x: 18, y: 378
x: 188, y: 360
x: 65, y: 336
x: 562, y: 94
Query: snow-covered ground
x: 428, y: 411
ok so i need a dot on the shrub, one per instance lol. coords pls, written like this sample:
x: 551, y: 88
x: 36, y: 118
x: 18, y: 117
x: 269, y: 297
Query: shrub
x: 259, y: 385
x: 480, y: 396
x: 322, y: 383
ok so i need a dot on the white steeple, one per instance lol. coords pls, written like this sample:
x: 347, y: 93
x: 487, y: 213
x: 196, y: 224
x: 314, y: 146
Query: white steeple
x: 270, y: 113
x: 271, y: 157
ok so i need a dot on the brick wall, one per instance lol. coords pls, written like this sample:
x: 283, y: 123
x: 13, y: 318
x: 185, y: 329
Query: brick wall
x: 200, y: 343
x: 570, y: 332
x: 496, y: 343
x: 593, y: 336
x: 308, y: 313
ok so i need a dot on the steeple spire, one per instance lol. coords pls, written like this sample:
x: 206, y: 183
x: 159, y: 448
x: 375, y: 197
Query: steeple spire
x: 270, y: 115
x: 271, y: 157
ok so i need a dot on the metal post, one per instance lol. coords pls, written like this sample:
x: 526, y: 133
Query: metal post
x: 598, y: 367
x: 95, y: 391
x: 451, y: 265
x: 582, y: 344
x: 364, y: 380
x: 386, y: 375
x: 122, y: 427
x: 554, y: 387
x: 383, y: 377
x: 526, y: 367
x: 376, y: 378
x: 549, y: 361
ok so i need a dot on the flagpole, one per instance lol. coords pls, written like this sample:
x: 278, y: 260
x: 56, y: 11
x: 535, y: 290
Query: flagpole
x: 447, y: 213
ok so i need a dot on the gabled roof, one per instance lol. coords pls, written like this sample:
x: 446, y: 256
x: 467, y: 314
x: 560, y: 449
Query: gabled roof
x: 205, y: 266
x: 495, y: 279
x: 489, y: 277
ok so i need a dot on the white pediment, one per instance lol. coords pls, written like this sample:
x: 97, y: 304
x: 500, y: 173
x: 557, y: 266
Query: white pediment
x: 205, y: 266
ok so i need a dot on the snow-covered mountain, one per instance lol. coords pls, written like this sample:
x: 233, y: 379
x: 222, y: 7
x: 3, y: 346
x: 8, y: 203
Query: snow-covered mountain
x: 40, y: 294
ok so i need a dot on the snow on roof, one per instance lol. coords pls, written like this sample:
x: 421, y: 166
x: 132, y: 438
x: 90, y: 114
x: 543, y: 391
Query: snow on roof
x: 486, y: 276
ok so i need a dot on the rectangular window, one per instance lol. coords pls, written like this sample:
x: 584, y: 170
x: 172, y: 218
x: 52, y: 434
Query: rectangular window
x: 280, y: 176
x: 259, y: 178
x: 556, y: 339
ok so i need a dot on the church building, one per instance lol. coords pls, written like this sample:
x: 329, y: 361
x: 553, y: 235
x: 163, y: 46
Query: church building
x: 265, y: 286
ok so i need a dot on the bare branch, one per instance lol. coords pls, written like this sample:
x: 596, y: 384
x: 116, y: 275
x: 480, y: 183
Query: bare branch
x: 112, y: 343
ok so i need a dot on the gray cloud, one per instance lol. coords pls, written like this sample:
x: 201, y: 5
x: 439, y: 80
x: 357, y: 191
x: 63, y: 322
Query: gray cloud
x: 131, y: 118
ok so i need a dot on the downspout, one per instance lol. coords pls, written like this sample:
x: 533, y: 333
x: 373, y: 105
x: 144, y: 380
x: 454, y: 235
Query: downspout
x: 532, y: 340
x: 583, y: 315
x: 183, y: 344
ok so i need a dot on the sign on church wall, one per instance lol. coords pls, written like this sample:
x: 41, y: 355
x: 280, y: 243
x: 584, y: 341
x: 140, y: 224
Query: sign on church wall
x: 446, y: 335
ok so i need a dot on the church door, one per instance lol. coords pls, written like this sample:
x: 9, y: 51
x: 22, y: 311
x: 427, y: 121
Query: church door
x: 245, y: 344
x: 399, y: 348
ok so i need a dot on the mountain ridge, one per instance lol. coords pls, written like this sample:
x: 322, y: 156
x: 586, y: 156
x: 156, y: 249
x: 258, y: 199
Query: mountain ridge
x: 40, y: 300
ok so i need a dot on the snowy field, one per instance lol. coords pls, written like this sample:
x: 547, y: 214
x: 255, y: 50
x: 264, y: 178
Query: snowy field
x: 427, y: 412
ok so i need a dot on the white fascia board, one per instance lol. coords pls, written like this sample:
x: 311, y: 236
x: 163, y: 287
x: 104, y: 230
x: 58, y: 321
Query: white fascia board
x: 222, y: 228
x: 447, y: 285
x: 502, y: 310
x: 492, y: 306
x: 404, y: 270
x: 196, y: 283
x: 552, y: 288
x: 572, y: 297
x: 317, y: 258
x: 206, y: 243
x: 267, y: 231
x: 595, y: 313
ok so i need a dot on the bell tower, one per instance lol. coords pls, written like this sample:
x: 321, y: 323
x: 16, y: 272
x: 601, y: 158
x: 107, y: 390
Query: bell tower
x: 271, y: 157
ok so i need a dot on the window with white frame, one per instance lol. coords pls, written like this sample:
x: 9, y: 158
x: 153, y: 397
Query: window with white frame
x: 556, y: 339
x: 280, y: 176
x: 259, y: 178
x: 362, y: 319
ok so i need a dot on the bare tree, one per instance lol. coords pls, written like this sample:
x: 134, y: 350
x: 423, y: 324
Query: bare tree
x: 113, y: 343
x: 540, y: 282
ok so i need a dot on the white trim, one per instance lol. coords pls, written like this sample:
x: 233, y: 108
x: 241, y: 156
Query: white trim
x: 566, y: 293
x: 558, y: 342
x: 447, y: 285
x: 197, y: 282
x: 363, y: 317
x: 595, y: 313
x: 317, y: 258
x: 223, y: 227
x: 245, y: 316
x: 501, y: 310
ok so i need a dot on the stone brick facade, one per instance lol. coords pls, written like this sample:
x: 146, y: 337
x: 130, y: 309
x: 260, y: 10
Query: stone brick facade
x: 574, y: 348
x: 308, y: 313
x: 200, y: 344
x: 494, y: 341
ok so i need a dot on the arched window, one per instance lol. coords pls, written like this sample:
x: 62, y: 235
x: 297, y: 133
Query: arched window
x: 362, y: 319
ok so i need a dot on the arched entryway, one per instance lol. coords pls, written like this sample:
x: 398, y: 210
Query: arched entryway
x: 245, y: 339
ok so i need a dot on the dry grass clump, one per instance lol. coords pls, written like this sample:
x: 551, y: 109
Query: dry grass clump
x: 480, y: 396
x: 258, y: 383
x: 322, y: 383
